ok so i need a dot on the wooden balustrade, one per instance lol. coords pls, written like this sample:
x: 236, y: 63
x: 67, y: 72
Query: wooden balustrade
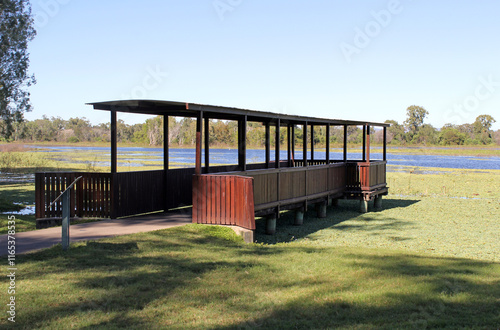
x: 223, y: 200
x: 223, y: 197
x: 365, y: 176
x: 138, y: 192
x: 91, y: 196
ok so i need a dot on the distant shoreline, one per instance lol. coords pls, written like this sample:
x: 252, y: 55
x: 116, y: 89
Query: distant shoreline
x: 484, y: 151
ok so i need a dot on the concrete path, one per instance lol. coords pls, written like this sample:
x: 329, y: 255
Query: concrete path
x: 45, y: 238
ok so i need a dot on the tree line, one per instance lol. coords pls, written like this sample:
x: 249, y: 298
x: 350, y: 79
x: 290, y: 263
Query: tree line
x: 413, y: 131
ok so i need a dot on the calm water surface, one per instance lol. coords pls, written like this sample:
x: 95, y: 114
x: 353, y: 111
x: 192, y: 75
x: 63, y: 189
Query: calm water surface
x: 230, y: 156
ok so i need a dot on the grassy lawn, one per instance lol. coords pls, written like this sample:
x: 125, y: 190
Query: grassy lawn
x: 429, y: 259
x: 205, y: 277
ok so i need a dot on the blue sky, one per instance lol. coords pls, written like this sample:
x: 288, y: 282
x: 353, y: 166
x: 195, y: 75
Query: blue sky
x: 360, y: 60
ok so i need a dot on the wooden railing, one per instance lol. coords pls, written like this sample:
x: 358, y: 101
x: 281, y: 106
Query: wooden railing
x: 300, y: 163
x: 365, y: 176
x: 378, y: 171
x: 223, y: 200
x: 91, y: 197
x: 104, y: 195
x: 286, y: 186
x: 100, y: 195
x: 137, y: 192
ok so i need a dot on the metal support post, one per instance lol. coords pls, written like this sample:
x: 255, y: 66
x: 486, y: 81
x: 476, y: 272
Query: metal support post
x: 65, y: 218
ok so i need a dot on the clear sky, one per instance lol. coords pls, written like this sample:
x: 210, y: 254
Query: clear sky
x: 360, y: 60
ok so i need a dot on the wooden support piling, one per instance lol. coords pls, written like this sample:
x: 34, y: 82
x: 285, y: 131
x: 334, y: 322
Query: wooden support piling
x: 271, y: 224
x: 377, y: 204
x: 321, y: 209
x: 299, y: 217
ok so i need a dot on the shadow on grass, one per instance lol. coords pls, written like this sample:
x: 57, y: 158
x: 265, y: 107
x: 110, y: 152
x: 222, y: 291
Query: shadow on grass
x: 195, y: 272
x: 346, y: 210
x: 126, y: 278
x: 443, y: 293
x: 17, y: 192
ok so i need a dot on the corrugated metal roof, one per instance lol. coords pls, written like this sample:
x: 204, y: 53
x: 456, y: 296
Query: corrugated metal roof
x: 184, y: 109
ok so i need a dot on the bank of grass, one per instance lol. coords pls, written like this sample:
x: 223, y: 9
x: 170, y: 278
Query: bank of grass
x: 206, y: 277
x: 14, y: 197
x: 444, y: 182
x: 452, y: 214
x: 480, y: 151
x: 31, y: 162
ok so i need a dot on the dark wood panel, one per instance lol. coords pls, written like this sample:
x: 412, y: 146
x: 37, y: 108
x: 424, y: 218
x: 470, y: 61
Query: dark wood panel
x: 317, y: 181
x: 292, y: 184
x: 139, y: 192
x: 223, y: 200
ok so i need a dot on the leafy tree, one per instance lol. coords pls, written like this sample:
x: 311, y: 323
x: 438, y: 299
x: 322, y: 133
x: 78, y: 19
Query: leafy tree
x: 154, y: 130
x: 451, y: 136
x: 82, y: 128
x: 187, y: 132
x: 468, y: 130
x: 482, y: 129
x: 395, y: 133
x: 354, y: 134
x: 16, y: 30
x: 337, y: 134
x: 427, y: 134
x: 496, y: 137
x: 415, y: 116
x: 483, y: 123
x: 256, y: 134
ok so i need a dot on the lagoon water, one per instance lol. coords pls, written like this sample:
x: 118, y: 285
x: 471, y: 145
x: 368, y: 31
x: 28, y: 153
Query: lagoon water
x: 230, y: 156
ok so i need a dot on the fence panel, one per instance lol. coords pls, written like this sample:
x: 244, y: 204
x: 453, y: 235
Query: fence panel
x: 223, y: 200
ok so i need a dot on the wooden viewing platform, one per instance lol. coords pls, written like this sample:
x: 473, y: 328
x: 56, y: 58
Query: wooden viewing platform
x: 223, y: 195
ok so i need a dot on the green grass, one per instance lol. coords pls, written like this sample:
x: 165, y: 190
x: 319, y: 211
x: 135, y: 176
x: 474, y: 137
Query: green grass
x: 429, y: 259
x: 206, y: 277
x: 483, y: 151
x: 10, y: 193
x: 30, y: 162
x: 437, y: 226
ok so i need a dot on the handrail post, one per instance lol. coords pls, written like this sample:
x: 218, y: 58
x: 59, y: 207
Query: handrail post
x: 66, y: 212
x: 66, y: 201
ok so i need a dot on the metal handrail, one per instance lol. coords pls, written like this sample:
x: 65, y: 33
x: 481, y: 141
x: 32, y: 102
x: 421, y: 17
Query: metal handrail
x: 60, y: 195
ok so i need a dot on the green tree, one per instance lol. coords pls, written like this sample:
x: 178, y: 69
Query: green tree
x: 395, y: 132
x: 354, y: 134
x: 468, y: 130
x: 82, y: 129
x: 451, y: 136
x: 496, y: 137
x: 415, y: 116
x: 482, y: 129
x: 187, y: 132
x: 16, y: 30
x: 427, y: 134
